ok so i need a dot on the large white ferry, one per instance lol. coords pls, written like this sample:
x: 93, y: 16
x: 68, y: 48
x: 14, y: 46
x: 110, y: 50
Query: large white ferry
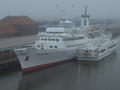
x: 57, y: 44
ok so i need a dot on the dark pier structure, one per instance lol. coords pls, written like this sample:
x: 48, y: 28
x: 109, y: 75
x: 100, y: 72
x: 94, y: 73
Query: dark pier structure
x: 8, y: 60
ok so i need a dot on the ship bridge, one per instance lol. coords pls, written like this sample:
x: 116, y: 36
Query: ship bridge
x: 55, y: 30
x: 65, y: 26
x: 66, y: 23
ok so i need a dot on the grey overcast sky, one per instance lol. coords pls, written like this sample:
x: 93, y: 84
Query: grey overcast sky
x: 51, y: 8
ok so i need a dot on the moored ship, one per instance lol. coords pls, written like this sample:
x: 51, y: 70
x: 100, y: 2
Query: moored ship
x: 57, y: 44
x: 97, y: 49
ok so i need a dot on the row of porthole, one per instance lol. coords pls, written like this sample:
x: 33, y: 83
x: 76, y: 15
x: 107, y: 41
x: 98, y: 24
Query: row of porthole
x: 50, y: 39
x: 50, y: 46
x: 69, y: 39
x: 53, y: 47
x: 73, y: 45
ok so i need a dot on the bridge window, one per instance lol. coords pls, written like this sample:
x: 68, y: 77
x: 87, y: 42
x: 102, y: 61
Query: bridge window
x: 49, y: 39
x: 42, y: 39
x: 57, y: 39
x: 53, y: 39
x: 51, y: 46
x: 55, y: 47
x: 38, y: 46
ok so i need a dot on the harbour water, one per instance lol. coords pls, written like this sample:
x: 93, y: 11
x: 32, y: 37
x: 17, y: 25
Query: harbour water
x: 75, y: 75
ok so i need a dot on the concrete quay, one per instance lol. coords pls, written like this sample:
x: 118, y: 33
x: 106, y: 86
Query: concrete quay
x: 7, y: 56
x: 16, y: 41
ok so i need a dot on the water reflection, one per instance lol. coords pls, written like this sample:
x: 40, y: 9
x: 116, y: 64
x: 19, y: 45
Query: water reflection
x: 10, y: 80
x: 52, y: 78
x: 103, y: 75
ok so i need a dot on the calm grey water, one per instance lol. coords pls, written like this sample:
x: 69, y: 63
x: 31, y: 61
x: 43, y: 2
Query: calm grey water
x: 103, y: 75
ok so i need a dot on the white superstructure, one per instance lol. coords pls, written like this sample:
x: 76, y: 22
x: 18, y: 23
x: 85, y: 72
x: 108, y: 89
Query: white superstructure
x: 56, y: 38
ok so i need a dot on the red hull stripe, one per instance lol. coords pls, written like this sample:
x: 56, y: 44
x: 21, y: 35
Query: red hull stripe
x: 45, y: 65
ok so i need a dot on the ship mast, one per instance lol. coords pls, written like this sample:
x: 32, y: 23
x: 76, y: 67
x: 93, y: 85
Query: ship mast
x: 62, y: 15
x: 85, y: 18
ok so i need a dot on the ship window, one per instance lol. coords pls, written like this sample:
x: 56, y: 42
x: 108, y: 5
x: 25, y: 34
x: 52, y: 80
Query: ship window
x: 53, y: 39
x: 57, y: 39
x: 81, y: 38
x: 55, y: 46
x: 45, y: 39
x: 102, y: 50
x: 49, y: 39
x: 42, y: 39
x: 68, y: 45
x: 51, y: 46
x: 38, y: 46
